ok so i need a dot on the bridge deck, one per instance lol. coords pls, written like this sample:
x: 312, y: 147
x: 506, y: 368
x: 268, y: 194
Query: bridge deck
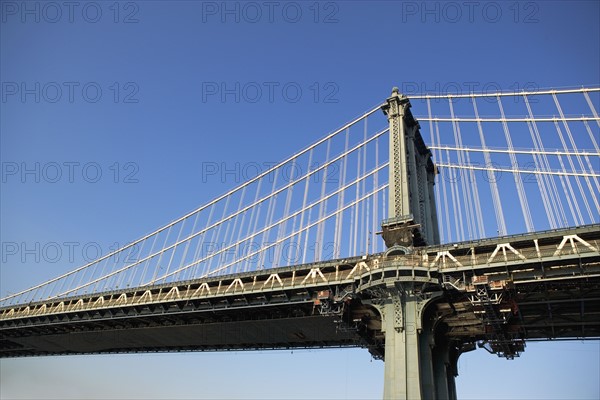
x: 549, y: 282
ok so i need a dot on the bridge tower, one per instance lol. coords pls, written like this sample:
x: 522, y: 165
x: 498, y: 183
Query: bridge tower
x: 412, y: 217
x: 419, y: 361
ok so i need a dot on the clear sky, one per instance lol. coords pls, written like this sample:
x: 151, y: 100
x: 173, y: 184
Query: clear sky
x: 144, y: 92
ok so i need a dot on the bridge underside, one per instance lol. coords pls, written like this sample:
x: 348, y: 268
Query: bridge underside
x: 281, y: 327
x: 543, y: 311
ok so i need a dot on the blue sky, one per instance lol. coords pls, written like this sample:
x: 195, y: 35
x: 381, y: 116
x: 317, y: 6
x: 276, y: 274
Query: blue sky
x: 143, y: 93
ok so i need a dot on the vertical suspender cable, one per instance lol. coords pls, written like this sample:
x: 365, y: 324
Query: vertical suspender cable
x: 594, y: 113
x: 541, y: 184
x: 322, y: 209
x: 553, y: 190
x: 445, y: 203
x: 492, y: 180
x: 588, y: 129
x: 568, y: 189
x: 236, y: 221
x: 579, y: 160
x: 516, y: 174
x: 466, y: 192
x: 365, y: 214
x: 436, y: 152
x: 544, y: 179
x: 304, y: 199
x: 375, y: 202
x: 270, y: 214
x: 283, y: 225
x: 200, y: 244
x: 354, y: 220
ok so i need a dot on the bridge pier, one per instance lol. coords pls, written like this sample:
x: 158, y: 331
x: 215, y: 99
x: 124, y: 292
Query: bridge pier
x: 444, y: 361
x: 420, y: 363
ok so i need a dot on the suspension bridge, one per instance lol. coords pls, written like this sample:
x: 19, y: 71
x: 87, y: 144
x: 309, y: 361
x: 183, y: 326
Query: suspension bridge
x: 474, y: 222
